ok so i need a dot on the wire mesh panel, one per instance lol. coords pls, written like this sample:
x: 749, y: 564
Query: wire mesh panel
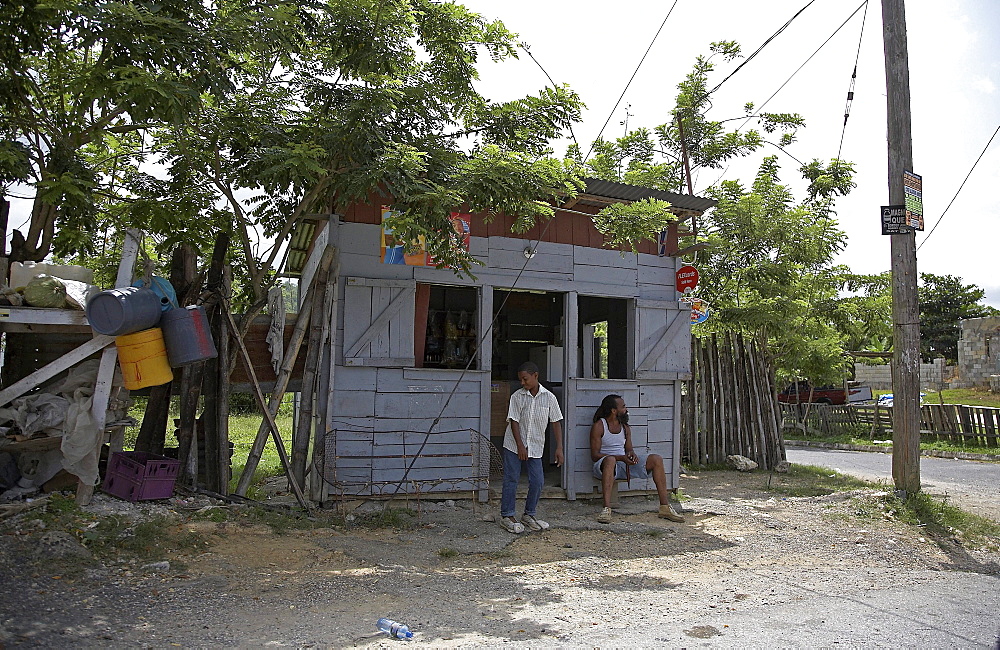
x: 365, y: 462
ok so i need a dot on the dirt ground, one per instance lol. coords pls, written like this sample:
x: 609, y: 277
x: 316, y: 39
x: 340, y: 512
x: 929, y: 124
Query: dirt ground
x: 749, y: 567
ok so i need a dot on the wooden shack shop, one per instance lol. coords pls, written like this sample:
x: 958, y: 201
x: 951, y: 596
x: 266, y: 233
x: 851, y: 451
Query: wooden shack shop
x: 405, y: 416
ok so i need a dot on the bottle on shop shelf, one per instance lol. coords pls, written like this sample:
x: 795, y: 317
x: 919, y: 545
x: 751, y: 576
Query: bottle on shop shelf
x: 393, y: 628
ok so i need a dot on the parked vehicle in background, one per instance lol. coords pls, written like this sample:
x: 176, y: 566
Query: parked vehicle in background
x: 802, y: 392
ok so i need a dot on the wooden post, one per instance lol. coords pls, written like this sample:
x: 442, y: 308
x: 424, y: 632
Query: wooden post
x: 281, y: 383
x: 109, y: 359
x: 302, y: 434
x: 905, y: 313
x: 152, y: 433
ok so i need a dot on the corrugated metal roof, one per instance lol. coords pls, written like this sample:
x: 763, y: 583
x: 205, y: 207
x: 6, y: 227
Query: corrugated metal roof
x: 621, y: 191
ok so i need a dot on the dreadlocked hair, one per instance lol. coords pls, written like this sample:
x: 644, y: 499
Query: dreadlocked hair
x: 608, y: 403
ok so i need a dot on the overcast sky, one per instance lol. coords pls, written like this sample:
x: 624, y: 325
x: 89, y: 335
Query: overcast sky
x: 954, y: 55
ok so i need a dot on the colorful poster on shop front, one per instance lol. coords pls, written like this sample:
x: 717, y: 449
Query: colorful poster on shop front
x: 395, y: 252
x: 461, y: 233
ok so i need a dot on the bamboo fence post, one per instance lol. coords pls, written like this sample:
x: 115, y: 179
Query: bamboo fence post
x: 281, y: 383
x: 302, y: 433
x: 268, y: 417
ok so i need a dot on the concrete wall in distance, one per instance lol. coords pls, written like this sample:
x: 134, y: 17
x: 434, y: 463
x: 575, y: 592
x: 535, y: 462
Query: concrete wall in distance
x: 932, y: 375
x: 978, y: 352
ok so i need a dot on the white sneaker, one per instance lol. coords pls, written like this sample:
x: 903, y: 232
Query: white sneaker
x: 534, y: 524
x: 605, y: 516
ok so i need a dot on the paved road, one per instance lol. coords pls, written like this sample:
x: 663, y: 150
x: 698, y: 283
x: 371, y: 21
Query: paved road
x: 973, y: 485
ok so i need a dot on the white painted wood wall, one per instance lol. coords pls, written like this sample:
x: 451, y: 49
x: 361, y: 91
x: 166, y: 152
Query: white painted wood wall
x: 382, y: 407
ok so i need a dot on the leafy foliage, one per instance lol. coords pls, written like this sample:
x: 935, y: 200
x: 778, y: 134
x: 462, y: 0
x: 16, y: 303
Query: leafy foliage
x: 633, y: 158
x: 769, y: 264
x: 944, y: 302
x: 78, y: 82
x: 280, y: 109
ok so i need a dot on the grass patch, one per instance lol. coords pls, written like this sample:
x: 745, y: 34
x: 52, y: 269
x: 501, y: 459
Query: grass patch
x: 279, y: 522
x: 242, y: 432
x: 939, y: 519
x: 447, y: 553
x: 399, y: 518
x: 967, y: 396
x: 243, y: 424
x: 812, y: 481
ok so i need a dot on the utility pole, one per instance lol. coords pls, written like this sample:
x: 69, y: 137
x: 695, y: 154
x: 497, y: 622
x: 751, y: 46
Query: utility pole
x: 905, y: 312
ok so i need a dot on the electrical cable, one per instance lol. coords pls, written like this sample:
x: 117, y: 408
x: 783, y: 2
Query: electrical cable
x: 797, y: 70
x: 854, y: 76
x: 487, y: 332
x: 762, y: 46
x: 761, y: 107
x: 622, y: 96
x: 938, y: 222
x: 527, y: 48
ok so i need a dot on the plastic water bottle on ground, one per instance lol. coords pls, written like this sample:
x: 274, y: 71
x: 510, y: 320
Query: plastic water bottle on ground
x: 393, y: 628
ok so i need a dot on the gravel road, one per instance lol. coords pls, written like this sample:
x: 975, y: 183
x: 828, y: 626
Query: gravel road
x: 748, y: 568
x: 971, y: 484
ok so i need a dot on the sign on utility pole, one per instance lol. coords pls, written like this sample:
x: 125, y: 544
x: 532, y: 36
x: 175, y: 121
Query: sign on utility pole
x: 905, y: 313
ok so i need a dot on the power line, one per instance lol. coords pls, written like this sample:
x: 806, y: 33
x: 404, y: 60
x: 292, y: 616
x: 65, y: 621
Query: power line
x: 854, y: 76
x: 762, y: 46
x: 828, y: 39
x: 488, y: 332
x: 527, y: 48
x: 936, y: 223
x: 622, y: 96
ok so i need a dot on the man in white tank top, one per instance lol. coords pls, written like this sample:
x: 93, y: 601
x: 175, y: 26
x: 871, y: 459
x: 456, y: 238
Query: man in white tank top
x: 615, y: 460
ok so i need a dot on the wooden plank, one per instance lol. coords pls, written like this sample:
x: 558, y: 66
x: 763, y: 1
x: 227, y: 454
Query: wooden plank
x: 539, y: 262
x: 41, y: 316
x: 656, y: 395
x: 676, y: 305
x: 652, y: 375
x: 444, y: 374
x: 397, y: 303
x: 397, y: 362
x: 15, y: 390
x: 377, y: 346
x: 625, y: 277
x: 353, y: 404
x: 421, y: 404
x: 355, y: 378
x: 651, y: 353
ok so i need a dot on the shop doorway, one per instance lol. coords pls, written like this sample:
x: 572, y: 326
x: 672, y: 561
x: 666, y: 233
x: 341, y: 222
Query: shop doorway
x: 528, y: 326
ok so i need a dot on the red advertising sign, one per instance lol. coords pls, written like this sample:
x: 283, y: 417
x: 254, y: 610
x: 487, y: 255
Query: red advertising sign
x: 687, y: 279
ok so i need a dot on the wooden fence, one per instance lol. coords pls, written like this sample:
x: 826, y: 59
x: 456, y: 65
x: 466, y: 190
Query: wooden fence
x: 729, y: 406
x: 978, y: 425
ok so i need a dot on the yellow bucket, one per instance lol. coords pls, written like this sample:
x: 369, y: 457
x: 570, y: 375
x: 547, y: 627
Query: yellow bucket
x: 143, y: 359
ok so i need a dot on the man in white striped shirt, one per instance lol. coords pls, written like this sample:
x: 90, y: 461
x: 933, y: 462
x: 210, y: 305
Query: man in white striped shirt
x: 532, y: 408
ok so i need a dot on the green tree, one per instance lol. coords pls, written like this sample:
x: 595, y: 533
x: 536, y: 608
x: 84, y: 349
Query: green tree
x: 282, y: 109
x: 769, y: 269
x: 80, y: 83
x: 654, y: 157
x: 769, y: 265
x: 944, y: 302
x: 374, y: 100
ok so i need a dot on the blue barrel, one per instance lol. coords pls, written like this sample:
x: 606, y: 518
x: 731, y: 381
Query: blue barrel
x: 163, y: 289
x: 117, y: 312
x: 187, y: 336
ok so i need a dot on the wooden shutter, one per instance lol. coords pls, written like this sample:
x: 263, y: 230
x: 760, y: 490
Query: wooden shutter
x: 663, y: 348
x: 378, y: 322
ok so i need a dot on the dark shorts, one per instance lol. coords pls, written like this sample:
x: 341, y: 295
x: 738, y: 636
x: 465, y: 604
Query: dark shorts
x: 634, y: 471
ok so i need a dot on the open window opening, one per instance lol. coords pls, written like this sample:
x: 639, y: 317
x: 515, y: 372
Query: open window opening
x: 604, y: 337
x: 446, y: 322
x: 529, y: 326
